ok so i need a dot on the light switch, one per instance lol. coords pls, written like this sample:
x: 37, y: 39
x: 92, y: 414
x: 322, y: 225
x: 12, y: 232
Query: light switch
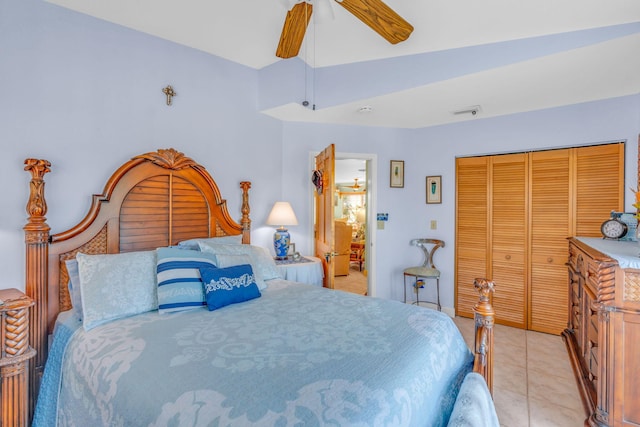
x: 434, y: 224
x: 380, y: 225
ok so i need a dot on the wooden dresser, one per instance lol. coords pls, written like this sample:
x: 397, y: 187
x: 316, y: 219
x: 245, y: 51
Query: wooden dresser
x: 603, y: 333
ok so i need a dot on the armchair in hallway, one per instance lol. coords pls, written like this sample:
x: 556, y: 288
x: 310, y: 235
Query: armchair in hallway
x: 343, y: 232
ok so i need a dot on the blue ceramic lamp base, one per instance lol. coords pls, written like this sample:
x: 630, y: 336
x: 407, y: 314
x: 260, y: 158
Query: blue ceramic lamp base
x: 281, y: 240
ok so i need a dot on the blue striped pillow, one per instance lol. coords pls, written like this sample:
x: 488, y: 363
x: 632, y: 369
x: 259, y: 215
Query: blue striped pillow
x: 179, y: 284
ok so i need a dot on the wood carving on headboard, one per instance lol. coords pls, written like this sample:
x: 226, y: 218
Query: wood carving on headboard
x: 155, y: 199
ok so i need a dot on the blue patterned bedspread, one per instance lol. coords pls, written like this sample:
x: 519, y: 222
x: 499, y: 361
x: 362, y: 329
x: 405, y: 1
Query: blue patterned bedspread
x: 298, y: 355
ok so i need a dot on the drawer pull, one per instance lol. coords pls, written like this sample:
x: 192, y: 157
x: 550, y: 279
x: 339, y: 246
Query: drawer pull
x: 549, y: 259
x: 507, y: 257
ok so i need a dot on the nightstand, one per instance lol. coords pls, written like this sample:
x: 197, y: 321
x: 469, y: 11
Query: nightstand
x: 307, y: 269
x: 15, y: 355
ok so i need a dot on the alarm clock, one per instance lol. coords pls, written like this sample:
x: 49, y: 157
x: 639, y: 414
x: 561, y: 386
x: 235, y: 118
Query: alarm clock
x: 613, y: 228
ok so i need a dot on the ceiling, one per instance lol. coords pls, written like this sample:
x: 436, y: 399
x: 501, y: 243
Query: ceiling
x: 502, y: 55
x: 347, y: 170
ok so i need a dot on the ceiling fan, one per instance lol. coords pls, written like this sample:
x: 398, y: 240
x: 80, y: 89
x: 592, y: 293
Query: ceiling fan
x: 355, y: 186
x: 374, y: 13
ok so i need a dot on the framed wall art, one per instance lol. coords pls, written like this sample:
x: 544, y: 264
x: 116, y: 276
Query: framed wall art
x: 396, y: 174
x: 434, y: 189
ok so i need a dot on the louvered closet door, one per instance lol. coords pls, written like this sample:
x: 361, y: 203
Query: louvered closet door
x: 600, y: 186
x: 530, y: 204
x: 551, y: 219
x: 471, y: 230
x: 508, y: 242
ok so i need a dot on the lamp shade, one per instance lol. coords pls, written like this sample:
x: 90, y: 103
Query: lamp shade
x: 282, y: 214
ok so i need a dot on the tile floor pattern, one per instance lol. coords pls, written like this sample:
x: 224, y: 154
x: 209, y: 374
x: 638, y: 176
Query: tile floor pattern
x: 533, y: 382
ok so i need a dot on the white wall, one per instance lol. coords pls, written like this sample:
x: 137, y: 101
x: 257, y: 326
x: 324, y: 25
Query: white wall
x: 87, y: 96
x: 432, y: 151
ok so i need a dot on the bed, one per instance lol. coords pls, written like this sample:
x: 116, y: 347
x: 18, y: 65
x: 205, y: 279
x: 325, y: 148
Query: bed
x: 253, y: 349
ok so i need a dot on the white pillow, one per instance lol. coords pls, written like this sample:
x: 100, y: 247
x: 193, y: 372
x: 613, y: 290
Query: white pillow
x: 116, y: 285
x: 264, y: 267
x: 222, y: 240
x: 224, y: 261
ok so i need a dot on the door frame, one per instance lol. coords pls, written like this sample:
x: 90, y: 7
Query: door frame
x: 371, y: 197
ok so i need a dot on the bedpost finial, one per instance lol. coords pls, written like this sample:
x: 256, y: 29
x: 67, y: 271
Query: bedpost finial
x: 37, y: 205
x: 485, y: 288
x: 245, y: 222
x: 37, y: 167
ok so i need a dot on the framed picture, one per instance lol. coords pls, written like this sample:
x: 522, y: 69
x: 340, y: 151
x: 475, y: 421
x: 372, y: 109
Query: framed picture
x: 292, y: 249
x: 434, y: 189
x: 396, y: 174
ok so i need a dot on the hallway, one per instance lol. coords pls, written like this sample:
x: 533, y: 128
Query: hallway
x: 355, y: 282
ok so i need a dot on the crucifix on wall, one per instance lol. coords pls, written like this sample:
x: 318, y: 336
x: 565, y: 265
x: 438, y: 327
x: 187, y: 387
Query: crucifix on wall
x: 170, y: 93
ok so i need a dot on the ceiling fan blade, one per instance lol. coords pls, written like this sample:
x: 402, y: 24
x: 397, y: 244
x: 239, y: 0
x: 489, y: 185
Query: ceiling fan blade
x: 380, y: 18
x: 295, y: 25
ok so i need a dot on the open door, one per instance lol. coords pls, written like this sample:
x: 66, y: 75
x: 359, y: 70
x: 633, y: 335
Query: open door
x: 324, y: 180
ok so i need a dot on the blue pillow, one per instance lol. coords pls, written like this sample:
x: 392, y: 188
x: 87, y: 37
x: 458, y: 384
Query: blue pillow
x: 231, y: 285
x: 179, y: 283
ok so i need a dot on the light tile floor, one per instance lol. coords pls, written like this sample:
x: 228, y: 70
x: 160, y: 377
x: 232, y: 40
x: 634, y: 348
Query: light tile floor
x: 533, y: 382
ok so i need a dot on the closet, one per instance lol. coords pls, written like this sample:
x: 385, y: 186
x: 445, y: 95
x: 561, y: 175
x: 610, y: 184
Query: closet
x: 514, y: 213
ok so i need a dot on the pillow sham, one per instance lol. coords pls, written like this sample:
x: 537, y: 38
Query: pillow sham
x: 179, y: 283
x: 222, y: 240
x: 113, y: 286
x: 231, y: 285
x: 224, y: 260
x: 263, y: 264
x: 74, y: 286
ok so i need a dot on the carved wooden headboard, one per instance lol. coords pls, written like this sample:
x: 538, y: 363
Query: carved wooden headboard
x: 153, y: 200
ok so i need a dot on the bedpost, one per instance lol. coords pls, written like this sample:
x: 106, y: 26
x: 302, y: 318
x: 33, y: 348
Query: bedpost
x: 484, y: 317
x: 36, y: 234
x: 245, y: 221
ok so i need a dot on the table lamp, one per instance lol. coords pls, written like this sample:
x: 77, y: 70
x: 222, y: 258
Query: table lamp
x: 281, y: 214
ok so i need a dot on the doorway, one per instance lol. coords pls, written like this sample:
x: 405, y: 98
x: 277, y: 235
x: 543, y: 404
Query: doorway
x: 354, y: 213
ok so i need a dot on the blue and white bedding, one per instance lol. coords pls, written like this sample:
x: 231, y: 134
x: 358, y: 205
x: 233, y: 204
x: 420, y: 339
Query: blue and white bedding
x: 297, y: 355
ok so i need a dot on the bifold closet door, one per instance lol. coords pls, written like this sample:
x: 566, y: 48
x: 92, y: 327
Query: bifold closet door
x: 551, y: 219
x: 508, y: 255
x: 599, y: 178
x: 471, y: 230
x: 514, y: 215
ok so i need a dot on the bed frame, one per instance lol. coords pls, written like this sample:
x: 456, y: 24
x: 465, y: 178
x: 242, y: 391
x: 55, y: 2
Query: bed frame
x: 153, y: 200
